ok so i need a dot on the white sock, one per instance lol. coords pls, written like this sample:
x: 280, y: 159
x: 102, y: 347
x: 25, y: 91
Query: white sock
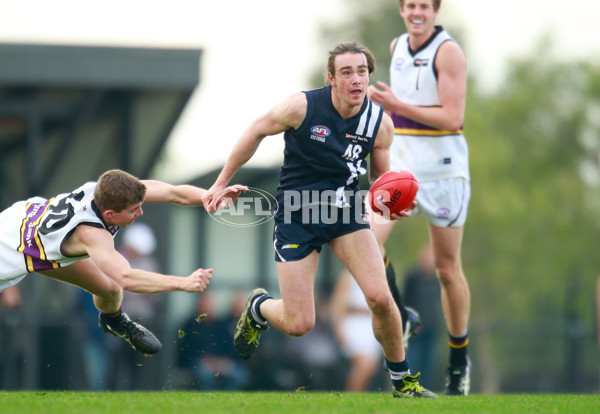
x: 254, y: 312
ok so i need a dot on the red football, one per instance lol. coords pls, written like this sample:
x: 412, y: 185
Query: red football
x: 394, y: 191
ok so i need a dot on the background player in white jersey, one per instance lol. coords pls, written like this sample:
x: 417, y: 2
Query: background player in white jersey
x: 70, y: 238
x: 328, y: 132
x: 427, y: 102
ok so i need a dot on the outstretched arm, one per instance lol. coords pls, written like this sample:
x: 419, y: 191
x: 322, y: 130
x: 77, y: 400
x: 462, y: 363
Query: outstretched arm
x: 99, y: 245
x: 286, y: 115
x: 101, y: 249
x: 184, y: 195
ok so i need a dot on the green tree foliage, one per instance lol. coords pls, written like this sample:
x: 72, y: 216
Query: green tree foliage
x: 530, y: 243
x: 532, y: 226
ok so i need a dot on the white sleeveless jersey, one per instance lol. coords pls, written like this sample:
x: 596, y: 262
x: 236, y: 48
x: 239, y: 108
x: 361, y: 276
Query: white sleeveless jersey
x: 33, y: 231
x: 431, y: 154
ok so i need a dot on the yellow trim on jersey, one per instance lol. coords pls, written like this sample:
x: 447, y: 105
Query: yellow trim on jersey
x: 29, y: 261
x: 459, y: 346
x: 426, y: 132
x: 30, y: 267
x: 22, y: 232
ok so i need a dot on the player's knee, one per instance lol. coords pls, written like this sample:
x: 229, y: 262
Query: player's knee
x: 300, y: 326
x: 381, y: 302
x: 113, y: 292
x: 448, y: 274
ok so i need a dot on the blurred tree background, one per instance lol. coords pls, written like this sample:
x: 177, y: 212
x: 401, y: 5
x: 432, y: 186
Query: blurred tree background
x: 530, y: 245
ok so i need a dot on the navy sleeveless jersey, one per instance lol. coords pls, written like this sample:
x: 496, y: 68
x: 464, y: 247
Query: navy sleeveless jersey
x: 328, y: 152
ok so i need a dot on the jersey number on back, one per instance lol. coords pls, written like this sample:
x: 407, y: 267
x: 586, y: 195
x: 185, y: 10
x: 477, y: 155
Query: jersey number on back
x: 60, y: 213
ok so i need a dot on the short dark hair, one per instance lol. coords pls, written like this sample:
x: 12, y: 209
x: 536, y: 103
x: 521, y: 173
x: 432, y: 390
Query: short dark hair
x: 116, y: 190
x: 435, y: 3
x: 350, y: 47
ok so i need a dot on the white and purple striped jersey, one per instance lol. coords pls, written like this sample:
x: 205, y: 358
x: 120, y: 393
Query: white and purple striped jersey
x: 33, y: 231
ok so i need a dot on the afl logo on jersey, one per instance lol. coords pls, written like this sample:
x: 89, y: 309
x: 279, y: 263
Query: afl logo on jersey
x: 398, y: 63
x: 319, y: 133
x: 320, y: 130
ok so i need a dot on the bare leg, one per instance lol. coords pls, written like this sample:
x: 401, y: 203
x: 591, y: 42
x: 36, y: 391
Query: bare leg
x: 456, y: 298
x: 108, y: 295
x: 359, y: 252
x: 382, y: 229
x: 294, y: 313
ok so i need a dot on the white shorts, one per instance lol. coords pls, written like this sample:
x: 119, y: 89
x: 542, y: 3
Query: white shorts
x: 359, y: 338
x: 444, y: 203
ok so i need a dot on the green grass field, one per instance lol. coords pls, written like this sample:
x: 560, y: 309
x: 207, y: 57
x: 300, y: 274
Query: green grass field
x: 67, y: 402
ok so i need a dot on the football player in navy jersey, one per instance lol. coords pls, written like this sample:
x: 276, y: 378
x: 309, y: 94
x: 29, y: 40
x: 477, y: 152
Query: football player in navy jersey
x: 70, y: 238
x: 328, y: 132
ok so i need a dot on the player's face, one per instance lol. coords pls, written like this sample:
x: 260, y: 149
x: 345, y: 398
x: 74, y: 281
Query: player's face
x: 419, y: 16
x: 125, y: 217
x: 351, y: 78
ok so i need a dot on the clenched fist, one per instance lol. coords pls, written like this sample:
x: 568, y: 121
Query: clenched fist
x: 197, y: 281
